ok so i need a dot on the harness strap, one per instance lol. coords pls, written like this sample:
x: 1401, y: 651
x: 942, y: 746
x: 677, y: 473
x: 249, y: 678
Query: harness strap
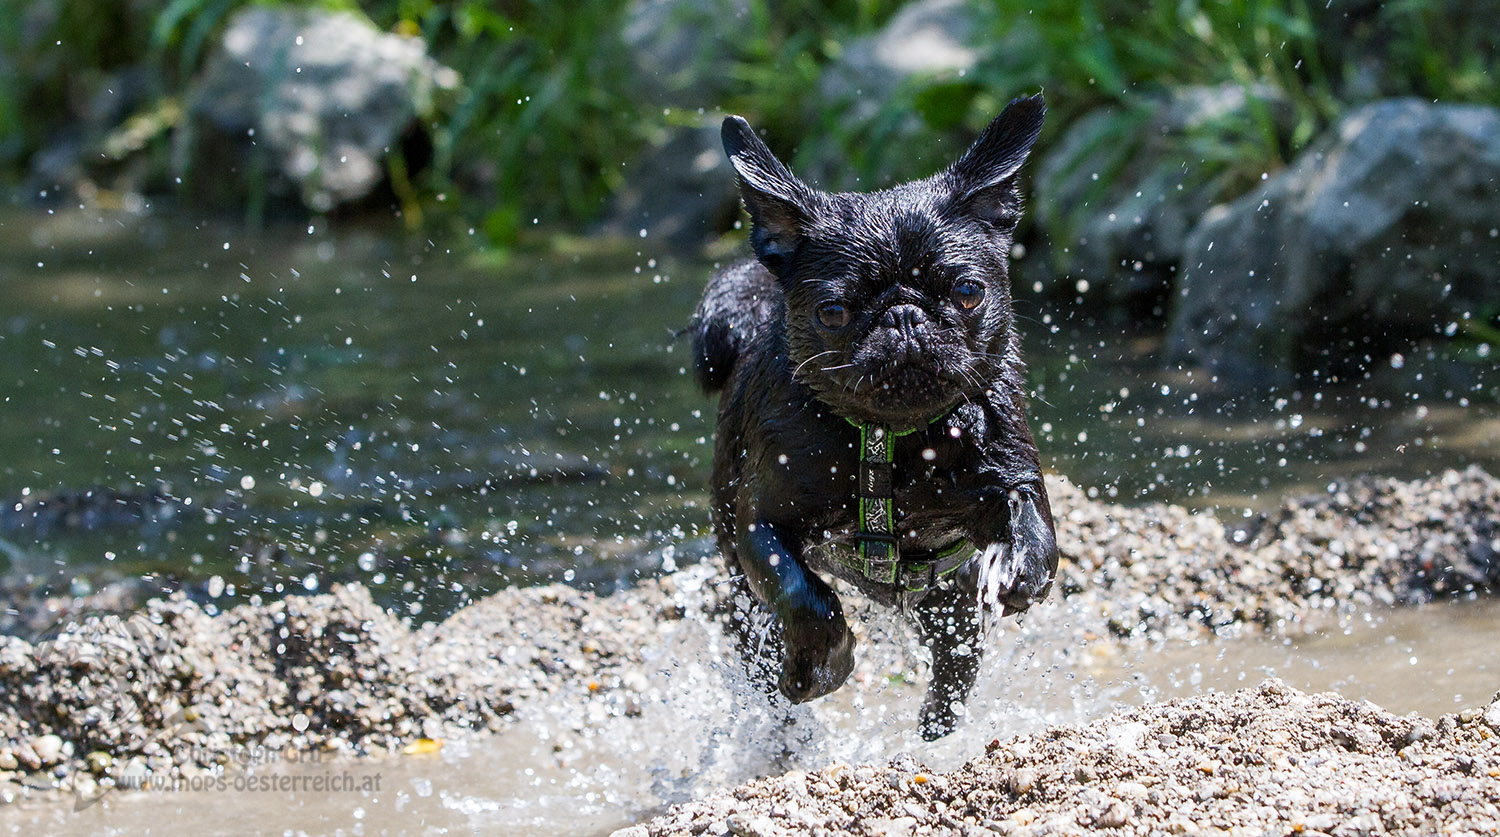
x: 877, y: 553
x: 876, y: 538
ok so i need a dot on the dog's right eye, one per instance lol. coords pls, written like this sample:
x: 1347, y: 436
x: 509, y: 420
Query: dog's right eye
x: 833, y: 315
x: 968, y: 294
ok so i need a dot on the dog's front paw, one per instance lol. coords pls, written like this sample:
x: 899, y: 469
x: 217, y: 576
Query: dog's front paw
x: 1018, y: 571
x: 819, y: 652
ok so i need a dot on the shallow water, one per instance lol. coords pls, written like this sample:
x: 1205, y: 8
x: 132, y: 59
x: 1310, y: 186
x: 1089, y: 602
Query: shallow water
x: 295, y: 407
x: 310, y: 407
x: 563, y: 771
x: 269, y: 412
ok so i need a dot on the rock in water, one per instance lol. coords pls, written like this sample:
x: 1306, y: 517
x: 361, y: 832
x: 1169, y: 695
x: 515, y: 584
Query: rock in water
x: 676, y: 44
x: 935, y: 41
x: 308, y: 100
x: 681, y: 191
x: 48, y: 749
x: 1385, y: 229
x: 1118, y: 200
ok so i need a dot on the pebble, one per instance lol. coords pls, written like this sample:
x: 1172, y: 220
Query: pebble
x: 635, y: 681
x: 84, y: 789
x: 132, y: 775
x: 897, y: 827
x: 48, y: 749
x: 1117, y: 815
x: 98, y: 761
x: 1180, y: 825
x: 746, y: 825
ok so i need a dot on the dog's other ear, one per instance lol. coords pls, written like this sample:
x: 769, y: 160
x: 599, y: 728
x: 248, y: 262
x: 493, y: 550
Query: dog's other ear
x: 984, y: 180
x: 779, y: 203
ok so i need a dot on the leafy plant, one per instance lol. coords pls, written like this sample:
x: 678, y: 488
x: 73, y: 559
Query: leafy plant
x: 550, y: 107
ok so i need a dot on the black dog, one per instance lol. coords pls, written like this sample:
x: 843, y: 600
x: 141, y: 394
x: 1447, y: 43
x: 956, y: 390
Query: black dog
x: 872, y: 422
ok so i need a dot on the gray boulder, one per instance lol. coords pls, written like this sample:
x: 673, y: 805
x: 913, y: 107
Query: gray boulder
x: 304, y: 103
x: 1118, y: 199
x: 681, y: 191
x: 1384, y: 231
x: 676, y: 44
x: 926, y: 40
x: 680, y: 188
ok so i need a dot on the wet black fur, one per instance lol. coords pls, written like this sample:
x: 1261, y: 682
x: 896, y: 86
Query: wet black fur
x: 786, y: 454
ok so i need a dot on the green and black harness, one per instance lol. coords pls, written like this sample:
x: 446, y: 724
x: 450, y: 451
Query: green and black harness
x: 876, y: 553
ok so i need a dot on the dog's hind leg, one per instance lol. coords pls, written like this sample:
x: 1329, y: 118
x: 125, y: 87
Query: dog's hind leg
x: 948, y: 623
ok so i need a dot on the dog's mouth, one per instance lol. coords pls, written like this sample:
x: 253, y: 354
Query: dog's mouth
x: 911, y: 377
x: 896, y: 382
x: 909, y: 392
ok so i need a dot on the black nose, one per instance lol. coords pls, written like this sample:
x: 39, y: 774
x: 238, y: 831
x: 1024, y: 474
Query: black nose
x: 904, y: 320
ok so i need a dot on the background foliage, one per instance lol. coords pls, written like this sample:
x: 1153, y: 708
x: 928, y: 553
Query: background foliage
x: 551, y: 107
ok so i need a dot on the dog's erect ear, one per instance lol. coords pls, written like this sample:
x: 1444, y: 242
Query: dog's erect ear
x: 984, y: 180
x: 778, y: 202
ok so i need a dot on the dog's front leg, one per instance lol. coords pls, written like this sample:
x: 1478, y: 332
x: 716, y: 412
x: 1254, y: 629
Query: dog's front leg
x: 819, y: 652
x: 947, y: 620
x: 1018, y: 559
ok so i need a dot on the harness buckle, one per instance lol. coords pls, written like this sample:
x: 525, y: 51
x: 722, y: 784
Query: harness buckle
x: 879, y: 556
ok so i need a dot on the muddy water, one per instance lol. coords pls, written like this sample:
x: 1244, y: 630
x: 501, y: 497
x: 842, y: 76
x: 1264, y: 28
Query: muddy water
x: 560, y: 773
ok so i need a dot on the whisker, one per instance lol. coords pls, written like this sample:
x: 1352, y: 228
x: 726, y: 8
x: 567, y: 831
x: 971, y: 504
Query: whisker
x: 798, y: 370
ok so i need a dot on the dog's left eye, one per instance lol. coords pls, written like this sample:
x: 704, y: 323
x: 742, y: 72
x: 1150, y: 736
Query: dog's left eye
x: 968, y: 294
x: 833, y: 315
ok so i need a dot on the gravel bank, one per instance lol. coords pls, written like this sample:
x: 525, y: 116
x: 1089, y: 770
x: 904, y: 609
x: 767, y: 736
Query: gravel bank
x: 173, y: 690
x: 1269, y: 760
